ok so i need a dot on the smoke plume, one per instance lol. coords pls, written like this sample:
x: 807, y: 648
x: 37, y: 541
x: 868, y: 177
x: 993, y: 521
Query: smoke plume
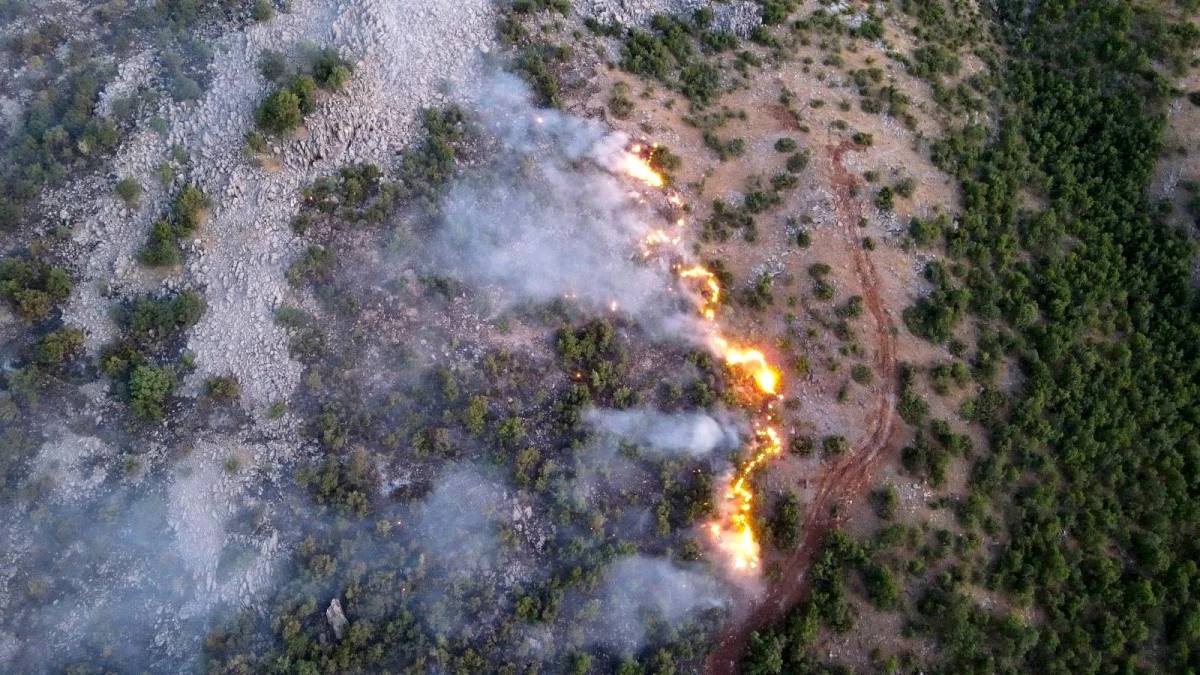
x: 547, y: 218
x: 694, y: 434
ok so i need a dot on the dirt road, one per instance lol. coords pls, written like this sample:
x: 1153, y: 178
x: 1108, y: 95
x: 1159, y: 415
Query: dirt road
x: 847, y: 478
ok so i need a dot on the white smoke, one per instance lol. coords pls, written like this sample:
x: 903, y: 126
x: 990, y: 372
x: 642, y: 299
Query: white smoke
x: 691, y: 433
x: 639, y: 592
x: 549, y: 218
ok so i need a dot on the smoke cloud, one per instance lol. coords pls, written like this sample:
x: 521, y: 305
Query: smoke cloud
x: 640, y: 593
x: 694, y: 434
x: 456, y: 524
x: 547, y: 218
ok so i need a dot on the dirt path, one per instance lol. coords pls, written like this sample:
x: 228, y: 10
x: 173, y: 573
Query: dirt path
x: 848, y: 477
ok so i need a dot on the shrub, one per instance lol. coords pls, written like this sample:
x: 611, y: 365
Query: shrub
x: 279, y: 113
x: 801, y: 446
x: 58, y: 346
x: 645, y: 55
x: 272, y: 64
x: 151, y: 321
x: 700, y: 82
x: 834, y: 446
x: 851, y: 309
x: 759, y: 296
x: 313, y: 267
x: 263, y: 10
x: 330, y: 70
x: 924, y: 232
x: 149, y: 387
x: 775, y: 12
x: 785, y: 145
x: 223, y: 388
x: 305, y: 90
x: 786, y: 522
x: 885, y: 200
x: 664, y: 161
x: 862, y: 374
x: 863, y: 139
x: 189, y: 203
x: 33, y: 289
x: 799, y: 161
x: 162, y: 249
x: 884, y: 501
x: 129, y: 190
x: 619, y: 103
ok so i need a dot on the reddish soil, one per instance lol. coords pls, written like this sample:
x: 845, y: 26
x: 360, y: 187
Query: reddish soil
x: 848, y: 477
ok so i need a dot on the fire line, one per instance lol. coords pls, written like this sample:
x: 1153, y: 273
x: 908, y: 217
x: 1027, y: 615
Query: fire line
x: 733, y: 532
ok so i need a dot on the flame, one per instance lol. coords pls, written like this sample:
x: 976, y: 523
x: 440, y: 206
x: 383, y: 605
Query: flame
x: 733, y: 532
x: 766, y: 377
x: 633, y: 164
x: 711, y: 284
x: 738, y: 541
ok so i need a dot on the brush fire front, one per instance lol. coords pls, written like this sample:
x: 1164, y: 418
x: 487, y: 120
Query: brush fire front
x: 733, y: 532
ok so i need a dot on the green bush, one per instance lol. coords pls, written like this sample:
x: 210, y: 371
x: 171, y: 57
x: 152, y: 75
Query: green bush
x: 645, y: 55
x: 305, y: 89
x: 330, y: 70
x: 34, y: 289
x: 223, y: 388
x: 884, y: 501
x: 279, y: 113
x: 785, y: 145
x: 263, y: 10
x: 58, y: 346
x: 862, y: 374
x: 313, y: 267
x: 701, y: 82
x: 149, y: 387
x: 151, y: 321
x: 162, y: 247
x: 786, y: 522
x: 834, y: 446
x: 801, y: 445
x: 129, y: 190
x: 885, y: 199
x: 619, y: 103
x: 799, y: 161
x: 272, y: 64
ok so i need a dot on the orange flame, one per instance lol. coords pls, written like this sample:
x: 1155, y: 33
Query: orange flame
x: 766, y: 377
x: 734, y: 532
x: 633, y: 164
x: 739, y: 541
x: 713, y: 298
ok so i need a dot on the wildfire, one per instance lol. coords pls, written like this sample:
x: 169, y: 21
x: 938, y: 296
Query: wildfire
x: 640, y: 169
x: 655, y: 239
x: 733, y: 533
x: 738, y: 541
x: 636, y: 163
x: 713, y: 298
x: 764, y: 375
